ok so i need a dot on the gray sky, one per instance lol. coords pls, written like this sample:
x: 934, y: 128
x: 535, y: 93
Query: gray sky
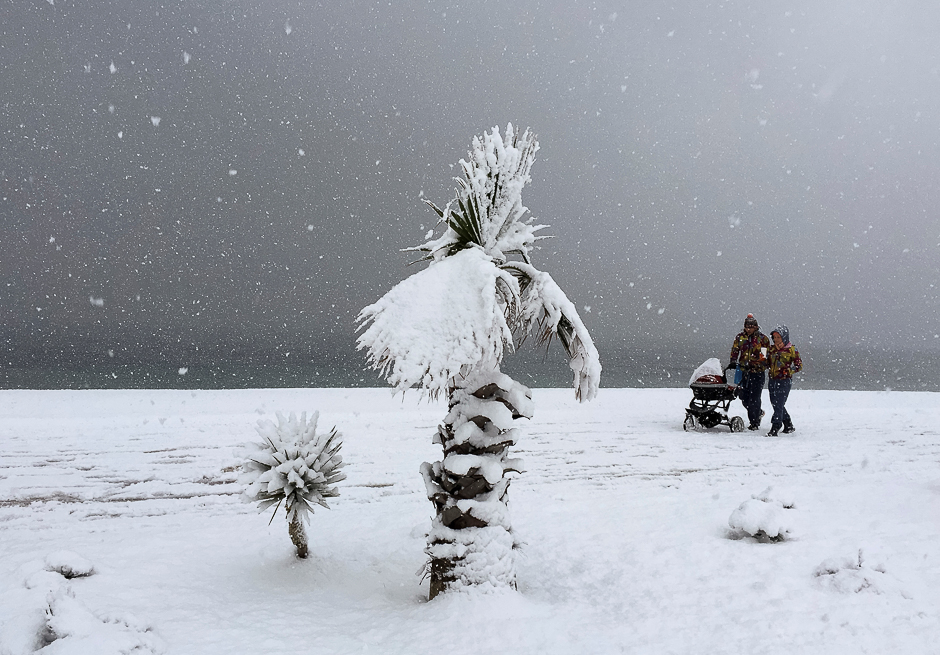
x: 240, y: 176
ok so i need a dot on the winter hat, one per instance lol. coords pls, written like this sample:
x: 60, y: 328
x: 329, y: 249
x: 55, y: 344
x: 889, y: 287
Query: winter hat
x: 784, y: 333
x: 750, y: 320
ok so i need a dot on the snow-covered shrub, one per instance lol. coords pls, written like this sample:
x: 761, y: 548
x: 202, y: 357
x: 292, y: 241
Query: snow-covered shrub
x: 852, y: 575
x: 69, y: 565
x: 295, y: 466
x: 44, y: 612
x: 765, y: 516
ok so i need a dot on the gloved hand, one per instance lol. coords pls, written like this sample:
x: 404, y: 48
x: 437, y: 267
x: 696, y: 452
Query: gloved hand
x: 733, y: 365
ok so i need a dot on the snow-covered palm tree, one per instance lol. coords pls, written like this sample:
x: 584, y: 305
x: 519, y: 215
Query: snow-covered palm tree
x: 446, y: 328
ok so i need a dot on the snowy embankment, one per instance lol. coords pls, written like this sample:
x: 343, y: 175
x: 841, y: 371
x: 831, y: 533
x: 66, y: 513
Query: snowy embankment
x: 121, y: 526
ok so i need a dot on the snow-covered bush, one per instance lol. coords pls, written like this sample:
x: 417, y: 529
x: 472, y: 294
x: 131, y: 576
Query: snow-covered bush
x: 295, y: 466
x: 69, y: 565
x: 852, y: 575
x: 765, y: 516
x: 43, y: 612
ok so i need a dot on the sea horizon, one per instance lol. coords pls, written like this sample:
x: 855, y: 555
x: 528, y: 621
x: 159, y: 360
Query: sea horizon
x: 824, y: 368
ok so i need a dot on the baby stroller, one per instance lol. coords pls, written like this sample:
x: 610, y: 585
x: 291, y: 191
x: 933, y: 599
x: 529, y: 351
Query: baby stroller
x: 711, y: 397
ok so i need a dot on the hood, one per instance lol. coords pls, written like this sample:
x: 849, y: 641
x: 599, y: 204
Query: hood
x: 784, y: 333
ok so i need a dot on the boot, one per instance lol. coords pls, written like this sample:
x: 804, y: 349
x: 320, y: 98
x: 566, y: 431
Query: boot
x: 788, y: 428
x: 756, y: 424
x: 774, y: 431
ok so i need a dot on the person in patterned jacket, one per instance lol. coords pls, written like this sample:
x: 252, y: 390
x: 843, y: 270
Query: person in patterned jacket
x: 748, y: 353
x: 784, y: 361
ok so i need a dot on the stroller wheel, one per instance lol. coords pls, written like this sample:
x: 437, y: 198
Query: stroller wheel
x: 689, y: 423
x: 737, y: 424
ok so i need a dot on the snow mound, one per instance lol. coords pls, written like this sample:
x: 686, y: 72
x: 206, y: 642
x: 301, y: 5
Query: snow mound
x: 69, y: 565
x: 851, y: 575
x: 43, y: 614
x: 777, y: 496
x: 765, y: 516
x: 71, y: 628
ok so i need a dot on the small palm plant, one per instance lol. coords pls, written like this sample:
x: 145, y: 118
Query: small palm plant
x: 446, y: 328
x: 295, y: 466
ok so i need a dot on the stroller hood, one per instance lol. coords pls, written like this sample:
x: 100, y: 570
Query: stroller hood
x: 708, y: 367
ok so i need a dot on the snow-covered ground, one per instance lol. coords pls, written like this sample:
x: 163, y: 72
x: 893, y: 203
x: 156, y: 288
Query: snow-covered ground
x: 624, y: 516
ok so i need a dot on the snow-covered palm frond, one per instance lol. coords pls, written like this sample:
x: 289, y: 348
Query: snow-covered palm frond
x: 293, y: 465
x: 545, y: 309
x: 487, y: 211
x: 441, y: 322
x: 460, y: 313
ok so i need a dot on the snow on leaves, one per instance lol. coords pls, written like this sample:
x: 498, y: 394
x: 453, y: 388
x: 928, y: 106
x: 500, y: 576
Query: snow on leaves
x: 488, y: 211
x: 293, y: 465
x: 439, y: 322
x: 468, y: 306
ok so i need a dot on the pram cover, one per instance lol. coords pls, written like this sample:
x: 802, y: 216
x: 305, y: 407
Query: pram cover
x: 709, y: 372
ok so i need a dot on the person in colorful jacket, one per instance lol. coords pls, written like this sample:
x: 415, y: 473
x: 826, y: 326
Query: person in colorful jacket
x: 748, y: 355
x: 784, y: 360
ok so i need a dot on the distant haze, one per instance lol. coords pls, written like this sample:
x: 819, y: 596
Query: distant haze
x: 191, y: 180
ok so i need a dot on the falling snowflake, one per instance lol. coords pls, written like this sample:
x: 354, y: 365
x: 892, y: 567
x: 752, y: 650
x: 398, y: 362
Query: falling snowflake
x: 155, y: 120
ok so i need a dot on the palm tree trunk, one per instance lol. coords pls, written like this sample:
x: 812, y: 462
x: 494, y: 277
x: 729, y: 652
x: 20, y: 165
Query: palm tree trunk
x: 298, y: 536
x: 471, y: 540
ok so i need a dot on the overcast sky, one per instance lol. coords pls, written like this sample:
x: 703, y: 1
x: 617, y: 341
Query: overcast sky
x: 243, y: 175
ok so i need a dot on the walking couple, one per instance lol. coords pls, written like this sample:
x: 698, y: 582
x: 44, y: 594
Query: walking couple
x: 753, y: 353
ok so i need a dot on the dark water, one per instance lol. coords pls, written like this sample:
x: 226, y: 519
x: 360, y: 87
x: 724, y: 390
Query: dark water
x: 668, y: 367
x: 822, y: 369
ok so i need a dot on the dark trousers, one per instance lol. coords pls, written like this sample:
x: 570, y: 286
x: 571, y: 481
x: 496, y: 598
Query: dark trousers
x: 779, y: 391
x: 752, y: 384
